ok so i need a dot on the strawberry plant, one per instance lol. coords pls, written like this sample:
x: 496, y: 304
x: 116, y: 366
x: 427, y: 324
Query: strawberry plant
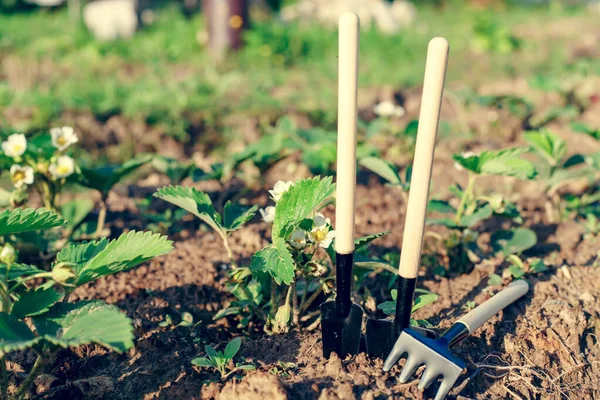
x: 555, y: 170
x: 41, y: 163
x: 223, y: 361
x: 234, y: 216
x: 475, y: 208
x: 35, y: 314
x: 422, y: 300
x: 103, y: 179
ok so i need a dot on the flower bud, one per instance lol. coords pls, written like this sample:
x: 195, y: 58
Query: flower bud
x: 8, y: 254
x: 62, y: 272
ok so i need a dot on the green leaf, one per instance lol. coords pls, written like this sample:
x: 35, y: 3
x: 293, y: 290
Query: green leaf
x: 538, y: 266
x: 202, y: 362
x: 232, y: 348
x: 480, y: 214
x: 75, y: 324
x: 193, y: 201
x: 299, y: 202
x: 26, y: 220
x: 19, y: 270
x: 36, y: 301
x: 212, y: 353
x: 96, y: 259
x: 513, y: 241
x: 494, y: 280
x: 104, y: 178
x: 75, y: 211
x: 498, y: 162
x: 440, y: 206
x: 236, y: 215
x: 447, y: 222
x: 588, y: 130
x: 384, y: 169
x: 14, y: 334
x: 362, y: 242
x: 276, y: 260
x: 516, y: 272
x: 548, y: 145
x: 246, y: 367
x: 174, y: 169
x: 388, y: 307
x: 423, y: 300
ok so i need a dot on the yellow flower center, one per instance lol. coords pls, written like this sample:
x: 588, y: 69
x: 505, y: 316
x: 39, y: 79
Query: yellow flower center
x: 17, y: 148
x: 236, y: 21
x: 61, y: 141
x: 18, y: 176
x: 319, y: 235
x: 63, y: 169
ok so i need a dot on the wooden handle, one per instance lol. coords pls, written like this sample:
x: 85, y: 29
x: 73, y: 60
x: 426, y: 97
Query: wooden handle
x: 346, y: 146
x: 414, y: 225
x: 477, y: 317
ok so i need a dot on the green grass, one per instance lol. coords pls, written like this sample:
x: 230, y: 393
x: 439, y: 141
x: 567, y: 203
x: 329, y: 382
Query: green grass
x: 163, y: 74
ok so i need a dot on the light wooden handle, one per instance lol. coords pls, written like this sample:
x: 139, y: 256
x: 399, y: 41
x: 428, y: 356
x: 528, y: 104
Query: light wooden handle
x: 414, y: 225
x: 477, y: 317
x: 346, y: 146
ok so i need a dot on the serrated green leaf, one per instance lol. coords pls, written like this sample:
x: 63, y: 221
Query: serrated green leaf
x: 14, y: 334
x: 498, y: 162
x: 276, y: 260
x: 547, y: 144
x: 202, y: 362
x: 480, y: 214
x: 193, y: 201
x: 36, y: 301
x: 299, y: 202
x: 75, y: 324
x: 236, y: 215
x: 381, y: 167
x: 19, y: 270
x: 104, y: 178
x: 513, y: 241
x: 128, y: 251
x: 440, y: 206
x: 26, y: 220
x: 79, y: 254
x: 232, y: 348
x: 364, y: 241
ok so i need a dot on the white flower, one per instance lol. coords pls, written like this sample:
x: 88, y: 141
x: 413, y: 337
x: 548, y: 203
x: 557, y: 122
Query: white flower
x: 320, y: 221
x: 322, y: 236
x: 388, y: 109
x: 268, y: 214
x: 15, y: 145
x: 7, y: 255
x: 279, y: 188
x: 21, y: 176
x: 63, y: 167
x: 466, y: 154
x: 63, y: 137
x: 298, y: 239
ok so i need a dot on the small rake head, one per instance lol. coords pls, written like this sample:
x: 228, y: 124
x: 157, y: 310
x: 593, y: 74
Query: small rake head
x: 434, y: 354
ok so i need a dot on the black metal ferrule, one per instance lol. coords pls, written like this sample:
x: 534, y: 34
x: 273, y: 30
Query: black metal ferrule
x: 404, y: 302
x: 457, y: 332
x: 343, y: 282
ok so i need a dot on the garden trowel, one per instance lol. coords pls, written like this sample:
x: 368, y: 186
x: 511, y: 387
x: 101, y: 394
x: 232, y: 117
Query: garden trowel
x: 382, y: 334
x: 341, y: 319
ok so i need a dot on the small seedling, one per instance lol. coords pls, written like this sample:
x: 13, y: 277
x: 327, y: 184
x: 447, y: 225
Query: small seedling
x: 283, y: 369
x: 187, y: 320
x: 426, y: 298
x: 469, y: 305
x: 223, y: 361
x: 390, y: 173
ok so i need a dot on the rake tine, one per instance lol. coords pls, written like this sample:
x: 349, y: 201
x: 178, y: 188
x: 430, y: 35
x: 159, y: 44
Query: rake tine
x: 409, y: 368
x: 444, y: 389
x: 427, y: 378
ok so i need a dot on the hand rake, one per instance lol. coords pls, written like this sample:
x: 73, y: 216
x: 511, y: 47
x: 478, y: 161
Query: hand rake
x: 436, y: 355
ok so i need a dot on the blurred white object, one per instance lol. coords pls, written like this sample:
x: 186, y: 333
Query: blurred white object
x: 111, y: 19
x: 46, y: 3
x: 387, y: 109
x: 388, y: 18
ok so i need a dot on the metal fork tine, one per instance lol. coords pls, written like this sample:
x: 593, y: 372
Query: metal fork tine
x: 444, y: 388
x: 412, y: 362
x: 427, y: 378
x: 397, y: 351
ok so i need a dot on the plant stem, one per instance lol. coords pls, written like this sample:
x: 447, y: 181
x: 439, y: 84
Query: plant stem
x: 101, y: 217
x: 273, y: 296
x: 467, y: 195
x: 295, y: 309
x: 40, y: 363
x: 311, y: 299
x: 228, y: 249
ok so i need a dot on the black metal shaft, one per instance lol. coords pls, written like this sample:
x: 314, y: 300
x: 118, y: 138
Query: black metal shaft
x: 404, y: 302
x: 343, y: 282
